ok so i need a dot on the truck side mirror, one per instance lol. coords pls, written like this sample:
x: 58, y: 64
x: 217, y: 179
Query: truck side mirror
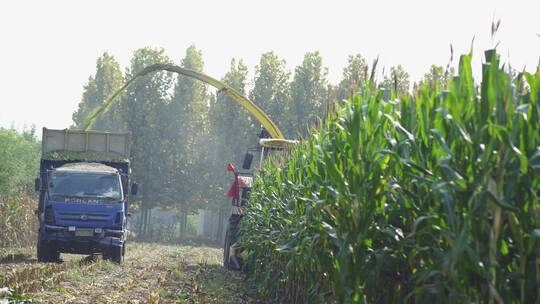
x: 37, y: 184
x: 134, y: 188
x: 247, y: 161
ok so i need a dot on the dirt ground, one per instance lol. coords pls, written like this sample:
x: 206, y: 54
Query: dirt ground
x: 151, y: 273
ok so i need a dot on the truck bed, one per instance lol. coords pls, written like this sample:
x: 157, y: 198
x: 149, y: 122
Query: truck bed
x: 85, y: 145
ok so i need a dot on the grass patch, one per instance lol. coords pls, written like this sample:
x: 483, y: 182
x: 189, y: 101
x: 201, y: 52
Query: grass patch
x: 199, y: 277
x: 13, y: 296
x: 16, y: 255
x: 215, y: 284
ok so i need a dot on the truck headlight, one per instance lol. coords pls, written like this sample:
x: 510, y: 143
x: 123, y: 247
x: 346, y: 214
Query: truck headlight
x: 49, y: 215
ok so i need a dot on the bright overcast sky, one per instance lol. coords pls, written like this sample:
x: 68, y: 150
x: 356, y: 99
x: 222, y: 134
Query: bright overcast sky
x: 48, y: 49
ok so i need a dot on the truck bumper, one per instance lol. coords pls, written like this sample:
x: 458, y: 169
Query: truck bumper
x: 67, y: 241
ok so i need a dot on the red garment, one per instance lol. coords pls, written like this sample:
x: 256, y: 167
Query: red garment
x: 234, y: 192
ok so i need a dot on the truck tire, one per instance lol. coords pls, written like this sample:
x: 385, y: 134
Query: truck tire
x: 54, y: 254
x: 47, y: 253
x: 42, y: 256
x: 115, y: 254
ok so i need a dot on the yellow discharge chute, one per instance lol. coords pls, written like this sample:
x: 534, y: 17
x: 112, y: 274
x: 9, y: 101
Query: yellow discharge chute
x: 252, y: 108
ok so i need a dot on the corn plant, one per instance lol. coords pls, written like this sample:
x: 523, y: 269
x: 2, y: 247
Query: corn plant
x: 18, y: 223
x: 427, y: 198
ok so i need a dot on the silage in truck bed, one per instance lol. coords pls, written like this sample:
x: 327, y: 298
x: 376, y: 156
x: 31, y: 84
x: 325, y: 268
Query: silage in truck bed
x: 84, y: 156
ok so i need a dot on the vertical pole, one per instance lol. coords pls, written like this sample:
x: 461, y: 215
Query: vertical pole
x: 262, y: 157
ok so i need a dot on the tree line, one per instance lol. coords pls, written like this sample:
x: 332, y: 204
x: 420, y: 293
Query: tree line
x: 184, y: 134
x: 19, y: 165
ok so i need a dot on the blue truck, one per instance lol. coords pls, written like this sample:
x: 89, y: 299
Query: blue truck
x: 84, y: 194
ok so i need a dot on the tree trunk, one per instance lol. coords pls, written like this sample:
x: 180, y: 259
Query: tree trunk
x: 145, y: 219
x: 141, y: 220
x: 149, y: 229
x: 183, y: 222
x: 219, y: 233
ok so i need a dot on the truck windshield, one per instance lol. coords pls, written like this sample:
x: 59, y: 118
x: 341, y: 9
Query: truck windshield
x: 84, y: 186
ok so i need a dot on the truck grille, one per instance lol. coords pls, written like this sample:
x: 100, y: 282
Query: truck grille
x: 83, y: 217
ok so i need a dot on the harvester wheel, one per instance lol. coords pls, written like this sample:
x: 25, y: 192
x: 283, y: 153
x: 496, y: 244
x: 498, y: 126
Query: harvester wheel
x: 226, y: 249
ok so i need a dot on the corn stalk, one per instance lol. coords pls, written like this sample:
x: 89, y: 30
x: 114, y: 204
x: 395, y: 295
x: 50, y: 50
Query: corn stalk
x: 426, y: 198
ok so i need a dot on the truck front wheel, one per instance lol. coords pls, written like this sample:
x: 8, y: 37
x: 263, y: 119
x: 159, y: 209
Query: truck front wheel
x: 47, y: 253
x: 115, y: 254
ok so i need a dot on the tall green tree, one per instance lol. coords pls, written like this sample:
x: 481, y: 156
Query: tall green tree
x: 353, y: 76
x: 271, y: 91
x: 144, y: 105
x: 309, y: 91
x: 397, y: 81
x: 19, y: 165
x: 232, y: 129
x: 19, y: 160
x: 437, y: 77
x: 106, y: 81
x: 189, y: 134
x: 231, y: 123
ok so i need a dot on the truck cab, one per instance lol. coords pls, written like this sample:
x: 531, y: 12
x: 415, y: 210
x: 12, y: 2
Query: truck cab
x: 83, y: 201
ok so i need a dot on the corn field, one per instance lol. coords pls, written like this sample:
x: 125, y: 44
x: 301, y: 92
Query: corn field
x: 18, y: 223
x: 429, y: 198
